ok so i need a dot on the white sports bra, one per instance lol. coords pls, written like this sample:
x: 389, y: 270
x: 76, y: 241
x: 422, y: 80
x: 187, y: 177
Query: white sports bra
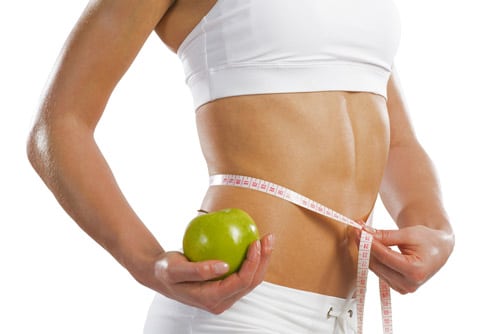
x: 244, y: 47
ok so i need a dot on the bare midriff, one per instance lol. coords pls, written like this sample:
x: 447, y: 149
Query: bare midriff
x: 329, y: 146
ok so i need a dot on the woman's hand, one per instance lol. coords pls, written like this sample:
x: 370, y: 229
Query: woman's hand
x: 192, y: 282
x: 423, y: 251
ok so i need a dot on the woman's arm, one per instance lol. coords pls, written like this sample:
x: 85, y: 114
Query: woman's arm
x: 63, y: 151
x: 411, y: 193
x: 61, y: 148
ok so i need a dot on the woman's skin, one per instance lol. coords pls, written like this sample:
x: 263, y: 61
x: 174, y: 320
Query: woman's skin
x: 338, y: 148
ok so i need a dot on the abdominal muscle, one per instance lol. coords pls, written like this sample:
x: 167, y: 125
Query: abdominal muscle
x: 329, y: 146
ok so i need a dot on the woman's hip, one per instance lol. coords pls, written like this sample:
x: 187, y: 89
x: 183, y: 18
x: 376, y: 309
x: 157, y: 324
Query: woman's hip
x: 269, y: 308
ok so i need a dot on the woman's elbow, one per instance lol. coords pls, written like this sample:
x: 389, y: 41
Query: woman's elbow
x: 37, y: 147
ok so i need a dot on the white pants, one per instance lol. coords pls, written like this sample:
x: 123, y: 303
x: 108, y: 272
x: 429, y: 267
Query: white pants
x: 269, y: 308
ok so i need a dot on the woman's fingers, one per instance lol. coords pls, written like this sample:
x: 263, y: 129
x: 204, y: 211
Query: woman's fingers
x: 267, y: 243
x: 381, y: 251
x: 251, y: 273
x: 261, y: 257
x: 257, y: 276
x: 177, y: 269
x: 189, y: 282
x: 422, y: 251
x: 394, y: 278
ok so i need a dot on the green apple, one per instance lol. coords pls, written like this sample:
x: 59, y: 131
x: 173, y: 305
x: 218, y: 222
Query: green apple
x: 223, y: 235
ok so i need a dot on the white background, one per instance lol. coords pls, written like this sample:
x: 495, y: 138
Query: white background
x: 55, y: 279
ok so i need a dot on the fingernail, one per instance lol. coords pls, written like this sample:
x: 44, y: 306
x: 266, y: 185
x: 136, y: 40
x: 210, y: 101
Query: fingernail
x: 256, y: 253
x: 270, y: 242
x: 220, y: 268
x: 369, y: 229
x: 258, y: 247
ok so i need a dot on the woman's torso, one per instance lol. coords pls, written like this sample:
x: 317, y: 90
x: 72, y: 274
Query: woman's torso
x: 330, y: 146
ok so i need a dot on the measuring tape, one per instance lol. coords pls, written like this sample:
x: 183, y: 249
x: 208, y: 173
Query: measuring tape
x: 307, y: 203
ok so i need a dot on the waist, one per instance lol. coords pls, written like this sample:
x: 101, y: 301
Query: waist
x: 321, y: 261
x: 330, y: 148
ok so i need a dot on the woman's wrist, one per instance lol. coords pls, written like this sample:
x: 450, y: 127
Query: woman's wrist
x: 137, y: 251
x: 143, y: 270
x: 436, y: 220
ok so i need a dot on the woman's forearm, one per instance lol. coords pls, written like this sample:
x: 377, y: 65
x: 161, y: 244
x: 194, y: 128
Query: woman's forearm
x: 410, y: 189
x: 65, y: 155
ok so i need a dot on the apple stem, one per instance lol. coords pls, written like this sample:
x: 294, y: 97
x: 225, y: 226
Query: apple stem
x: 202, y: 211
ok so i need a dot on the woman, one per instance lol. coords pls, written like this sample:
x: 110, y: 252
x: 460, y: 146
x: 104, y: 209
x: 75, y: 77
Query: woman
x: 302, y: 94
